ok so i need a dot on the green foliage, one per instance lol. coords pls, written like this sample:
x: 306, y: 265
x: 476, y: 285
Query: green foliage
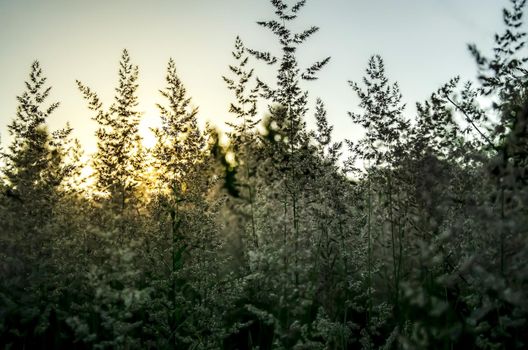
x: 417, y: 241
x: 118, y: 162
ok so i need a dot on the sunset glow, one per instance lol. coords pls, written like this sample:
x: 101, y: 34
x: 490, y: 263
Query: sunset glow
x: 90, y: 53
x: 149, y: 121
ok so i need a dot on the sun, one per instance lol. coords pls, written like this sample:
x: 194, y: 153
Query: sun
x: 151, y: 119
x: 86, y: 174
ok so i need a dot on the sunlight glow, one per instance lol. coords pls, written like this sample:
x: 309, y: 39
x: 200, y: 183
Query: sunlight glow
x: 150, y: 120
x: 86, y: 174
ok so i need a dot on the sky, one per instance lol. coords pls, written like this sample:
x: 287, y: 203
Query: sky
x: 423, y: 43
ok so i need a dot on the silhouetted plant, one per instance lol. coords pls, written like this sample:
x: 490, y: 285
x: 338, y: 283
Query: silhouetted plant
x: 118, y: 163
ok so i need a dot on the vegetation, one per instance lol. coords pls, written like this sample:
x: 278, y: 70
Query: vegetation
x: 417, y: 240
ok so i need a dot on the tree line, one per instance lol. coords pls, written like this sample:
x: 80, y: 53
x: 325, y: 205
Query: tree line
x: 417, y: 240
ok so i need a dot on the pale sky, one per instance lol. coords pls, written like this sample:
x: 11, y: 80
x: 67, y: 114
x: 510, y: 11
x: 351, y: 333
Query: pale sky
x: 423, y: 43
